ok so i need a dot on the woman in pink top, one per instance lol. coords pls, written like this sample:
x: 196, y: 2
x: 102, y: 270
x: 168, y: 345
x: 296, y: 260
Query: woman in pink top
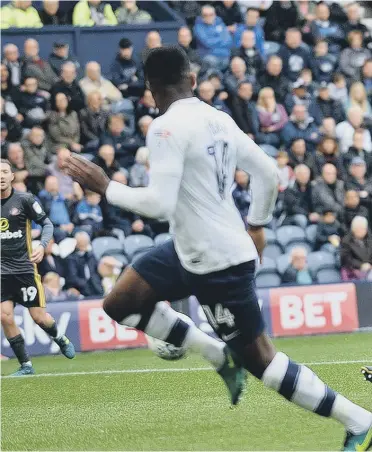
x: 272, y: 117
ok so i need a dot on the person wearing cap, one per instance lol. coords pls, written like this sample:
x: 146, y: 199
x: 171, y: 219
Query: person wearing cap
x: 61, y: 55
x: 300, y: 95
x: 51, y: 14
x: 125, y: 72
x: 129, y: 13
x: 357, y: 150
x: 359, y: 182
x: 329, y: 107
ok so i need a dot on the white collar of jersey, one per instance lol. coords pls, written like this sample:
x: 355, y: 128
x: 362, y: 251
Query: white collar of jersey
x: 187, y: 100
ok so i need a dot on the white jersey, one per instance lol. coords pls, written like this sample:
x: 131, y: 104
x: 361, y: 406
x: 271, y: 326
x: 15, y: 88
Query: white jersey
x: 194, y: 153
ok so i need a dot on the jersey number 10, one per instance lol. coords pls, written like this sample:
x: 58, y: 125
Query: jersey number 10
x: 219, y: 152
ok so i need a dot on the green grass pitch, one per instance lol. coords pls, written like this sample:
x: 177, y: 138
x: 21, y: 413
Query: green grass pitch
x: 89, y: 406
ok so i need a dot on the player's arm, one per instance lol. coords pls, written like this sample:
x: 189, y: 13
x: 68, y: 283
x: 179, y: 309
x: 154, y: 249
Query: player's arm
x: 158, y: 200
x: 36, y: 213
x: 264, y: 181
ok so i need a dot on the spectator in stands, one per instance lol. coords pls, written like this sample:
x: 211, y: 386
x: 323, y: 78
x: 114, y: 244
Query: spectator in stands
x: 117, y: 137
x: 88, y: 213
x: 358, y: 98
x: 109, y: 270
x: 366, y: 78
x: 272, y: 117
x: 11, y: 120
x: 345, y: 130
x: 327, y: 152
x: 51, y: 14
x: 328, y: 128
x: 213, y: 39
x: 294, y: 55
x: 359, y: 182
x: 297, y: 155
x: 51, y: 262
x: 279, y: 17
x: 301, y: 125
x: 16, y: 157
x: 63, y: 126
x: 93, y: 122
x: 125, y: 74
x: 106, y: 160
x: 36, y: 158
x: 230, y: 13
x: 207, y: 94
x: 31, y: 104
x: 275, y: 79
x: 356, y: 251
x: 129, y: 13
x: 184, y: 41
x: 300, y: 95
x: 338, y: 88
x: 356, y: 150
x: 323, y: 27
x: 61, y: 55
x: 147, y: 106
x: 153, y: 41
x: 143, y: 127
x: 57, y: 209
x: 88, y: 13
x: 249, y: 53
x: 353, y: 57
x: 244, y: 110
x: 93, y: 81
x: 82, y: 268
x: 36, y: 67
x: 69, y: 86
x: 4, y: 142
x: 323, y: 63
x: 353, y: 22
x: 286, y: 174
x: 140, y: 226
x: 241, y: 194
x: 188, y: 10
x: 328, y: 232
x: 251, y: 23
x: 56, y: 169
x: 306, y: 14
x: 328, y: 192
x: 9, y: 92
x: 353, y: 209
x: 297, y: 271
x: 139, y: 173
x: 236, y: 74
x: 13, y: 63
x: 20, y: 14
x: 53, y: 289
x: 298, y: 201
x: 329, y: 108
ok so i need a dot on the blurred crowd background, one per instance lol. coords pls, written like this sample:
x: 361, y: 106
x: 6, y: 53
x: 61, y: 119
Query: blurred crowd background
x: 295, y: 76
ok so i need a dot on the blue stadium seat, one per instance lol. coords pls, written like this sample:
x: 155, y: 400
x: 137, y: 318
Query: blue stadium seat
x: 270, y: 236
x: 268, y: 266
x: 320, y: 260
x: 161, y: 238
x: 273, y: 251
x: 268, y: 280
x: 103, y: 246
x: 328, y: 275
x: 311, y: 233
x: 119, y: 234
x: 136, y: 243
x: 271, y: 48
x: 288, y: 234
x: 282, y: 263
x: 298, y: 243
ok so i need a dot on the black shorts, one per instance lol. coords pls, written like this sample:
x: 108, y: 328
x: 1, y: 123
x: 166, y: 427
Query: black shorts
x: 228, y: 297
x: 24, y: 288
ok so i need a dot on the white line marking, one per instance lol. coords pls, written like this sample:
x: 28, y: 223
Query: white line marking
x: 167, y: 369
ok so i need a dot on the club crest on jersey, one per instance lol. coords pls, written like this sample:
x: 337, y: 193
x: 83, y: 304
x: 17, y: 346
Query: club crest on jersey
x: 14, y: 211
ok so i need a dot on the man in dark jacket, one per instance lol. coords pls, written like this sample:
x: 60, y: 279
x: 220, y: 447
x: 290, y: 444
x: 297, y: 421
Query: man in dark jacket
x: 280, y: 16
x: 301, y: 96
x: 356, y: 150
x: 93, y: 122
x: 184, y: 41
x: 354, y: 23
x: 207, y: 94
x: 298, y: 155
x: 352, y: 209
x: 125, y: 72
x: 329, y: 107
x: 249, y: 53
x: 69, y: 86
x: 82, y: 273
x: 294, y: 55
x: 52, y: 14
x: 275, y: 79
x: 328, y: 192
x: 244, y: 110
x: 31, y: 104
x: 230, y: 13
x: 61, y: 55
x: 51, y: 263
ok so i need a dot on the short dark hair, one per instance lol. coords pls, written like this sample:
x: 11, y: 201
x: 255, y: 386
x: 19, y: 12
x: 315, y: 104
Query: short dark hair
x: 166, y: 66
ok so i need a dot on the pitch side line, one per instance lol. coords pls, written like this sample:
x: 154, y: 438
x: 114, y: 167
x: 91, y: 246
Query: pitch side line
x: 169, y: 369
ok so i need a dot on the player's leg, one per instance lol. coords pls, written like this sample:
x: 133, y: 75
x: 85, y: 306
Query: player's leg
x: 367, y: 372
x: 135, y: 302
x: 15, y: 338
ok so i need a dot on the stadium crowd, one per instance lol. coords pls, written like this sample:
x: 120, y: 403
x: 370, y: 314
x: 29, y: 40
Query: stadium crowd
x: 295, y: 76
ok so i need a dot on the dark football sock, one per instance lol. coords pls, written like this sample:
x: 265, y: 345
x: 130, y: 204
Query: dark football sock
x: 18, y: 346
x: 51, y: 330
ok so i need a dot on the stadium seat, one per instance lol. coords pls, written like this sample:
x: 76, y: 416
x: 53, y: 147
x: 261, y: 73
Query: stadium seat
x: 320, y: 260
x: 268, y: 266
x: 273, y: 251
x: 268, y: 280
x: 135, y: 243
x: 282, y: 263
x: 270, y: 236
x: 161, y: 238
x: 311, y: 233
x: 298, y: 243
x: 119, y: 234
x: 328, y: 275
x: 271, y: 48
x: 119, y: 257
x: 106, y: 246
x: 288, y: 234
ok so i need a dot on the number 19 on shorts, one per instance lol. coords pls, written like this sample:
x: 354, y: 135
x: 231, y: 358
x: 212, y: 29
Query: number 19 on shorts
x: 29, y: 293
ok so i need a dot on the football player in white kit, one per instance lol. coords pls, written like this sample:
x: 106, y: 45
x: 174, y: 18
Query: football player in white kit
x: 194, y: 152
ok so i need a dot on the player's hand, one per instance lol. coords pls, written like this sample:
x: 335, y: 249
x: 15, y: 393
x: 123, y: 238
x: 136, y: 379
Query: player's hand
x: 37, y: 255
x: 257, y: 234
x: 87, y: 174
